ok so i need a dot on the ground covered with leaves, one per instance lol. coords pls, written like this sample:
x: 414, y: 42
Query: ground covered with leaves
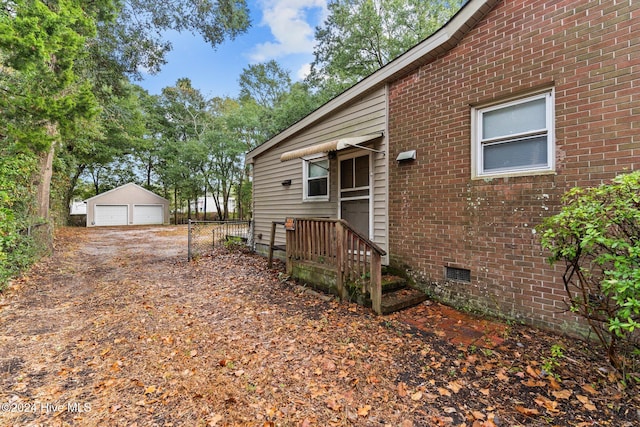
x: 117, y: 329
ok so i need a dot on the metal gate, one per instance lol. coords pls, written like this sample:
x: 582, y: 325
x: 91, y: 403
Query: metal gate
x: 204, y: 236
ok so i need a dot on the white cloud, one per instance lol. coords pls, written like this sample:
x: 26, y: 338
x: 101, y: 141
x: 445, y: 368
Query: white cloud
x: 303, y: 71
x: 290, y: 27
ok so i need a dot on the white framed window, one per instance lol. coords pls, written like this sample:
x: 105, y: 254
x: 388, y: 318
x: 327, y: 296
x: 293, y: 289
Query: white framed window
x: 514, y: 137
x: 315, y: 174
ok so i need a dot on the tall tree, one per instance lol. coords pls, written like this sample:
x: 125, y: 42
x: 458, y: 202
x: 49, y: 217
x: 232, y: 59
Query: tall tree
x: 40, y: 42
x: 223, y: 148
x: 265, y: 83
x: 115, y: 132
x: 184, y: 111
x: 268, y: 89
x: 245, y: 125
x: 299, y: 101
x: 184, y: 119
x: 42, y: 100
x: 148, y: 153
x: 360, y: 36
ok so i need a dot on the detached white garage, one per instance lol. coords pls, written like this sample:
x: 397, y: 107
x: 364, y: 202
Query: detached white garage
x: 128, y: 204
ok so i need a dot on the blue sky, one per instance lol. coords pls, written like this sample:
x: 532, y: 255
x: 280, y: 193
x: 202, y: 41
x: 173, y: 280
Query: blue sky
x: 281, y: 29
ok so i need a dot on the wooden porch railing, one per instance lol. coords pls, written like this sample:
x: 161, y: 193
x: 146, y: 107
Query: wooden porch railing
x: 334, y: 243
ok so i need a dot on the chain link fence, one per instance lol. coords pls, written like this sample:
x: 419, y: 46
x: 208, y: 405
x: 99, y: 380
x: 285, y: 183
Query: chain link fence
x: 204, y: 236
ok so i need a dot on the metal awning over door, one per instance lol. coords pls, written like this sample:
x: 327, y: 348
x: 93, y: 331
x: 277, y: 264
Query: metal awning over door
x: 335, y: 145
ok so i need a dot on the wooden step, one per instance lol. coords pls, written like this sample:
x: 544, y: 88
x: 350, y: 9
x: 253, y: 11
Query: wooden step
x: 392, y: 283
x: 401, y: 299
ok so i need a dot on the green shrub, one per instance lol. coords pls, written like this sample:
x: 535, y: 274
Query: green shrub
x: 17, y: 250
x: 597, y: 236
x: 235, y: 243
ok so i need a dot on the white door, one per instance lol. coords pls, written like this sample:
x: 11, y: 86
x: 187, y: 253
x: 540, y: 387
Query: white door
x: 148, y: 214
x: 111, y: 215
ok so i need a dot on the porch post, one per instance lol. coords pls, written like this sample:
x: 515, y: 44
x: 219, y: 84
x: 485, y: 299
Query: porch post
x: 290, y: 250
x: 272, y: 240
x: 376, y: 282
x: 340, y: 247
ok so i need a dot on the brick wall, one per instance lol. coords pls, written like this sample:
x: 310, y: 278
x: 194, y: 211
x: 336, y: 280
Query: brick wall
x: 589, y: 52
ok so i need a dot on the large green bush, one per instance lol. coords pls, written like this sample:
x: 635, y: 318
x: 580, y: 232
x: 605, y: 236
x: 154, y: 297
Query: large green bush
x: 597, y: 236
x: 17, y: 249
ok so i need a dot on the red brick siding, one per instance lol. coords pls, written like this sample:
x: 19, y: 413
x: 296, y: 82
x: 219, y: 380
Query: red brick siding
x: 589, y: 52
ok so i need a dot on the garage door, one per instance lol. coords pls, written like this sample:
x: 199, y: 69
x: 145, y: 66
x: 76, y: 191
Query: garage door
x: 111, y: 215
x: 148, y: 214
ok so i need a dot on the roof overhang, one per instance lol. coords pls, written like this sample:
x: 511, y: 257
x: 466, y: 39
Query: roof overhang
x: 326, y: 147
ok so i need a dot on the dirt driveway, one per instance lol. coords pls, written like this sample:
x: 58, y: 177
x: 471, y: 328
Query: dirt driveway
x: 117, y: 329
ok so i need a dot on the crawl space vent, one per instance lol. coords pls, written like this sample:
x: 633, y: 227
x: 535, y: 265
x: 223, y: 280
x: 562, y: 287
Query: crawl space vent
x: 458, y: 274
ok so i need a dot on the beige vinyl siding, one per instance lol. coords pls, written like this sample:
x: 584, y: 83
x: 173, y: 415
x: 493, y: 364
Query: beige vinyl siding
x: 274, y: 202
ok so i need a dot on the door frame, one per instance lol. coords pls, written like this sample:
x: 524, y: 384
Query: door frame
x: 353, y: 155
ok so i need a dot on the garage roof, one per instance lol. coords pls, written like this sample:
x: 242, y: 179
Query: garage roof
x: 131, y: 184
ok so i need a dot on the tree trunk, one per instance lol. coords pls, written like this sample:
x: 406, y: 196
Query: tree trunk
x: 72, y: 186
x: 226, y: 190
x: 175, y: 206
x: 216, y: 200
x: 239, y: 210
x: 148, y: 175
x: 204, y: 204
x: 46, y: 174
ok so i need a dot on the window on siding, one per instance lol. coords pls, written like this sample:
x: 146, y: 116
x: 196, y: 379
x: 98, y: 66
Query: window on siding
x: 316, y: 179
x: 515, y: 137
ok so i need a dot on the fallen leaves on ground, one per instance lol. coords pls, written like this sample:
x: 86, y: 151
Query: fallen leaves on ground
x: 117, y: 329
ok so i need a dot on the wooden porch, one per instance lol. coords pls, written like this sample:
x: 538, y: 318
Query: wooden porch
x: 330, y: 254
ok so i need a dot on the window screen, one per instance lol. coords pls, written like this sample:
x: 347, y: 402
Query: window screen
x: 514, y: 136
x: 316, y: 179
